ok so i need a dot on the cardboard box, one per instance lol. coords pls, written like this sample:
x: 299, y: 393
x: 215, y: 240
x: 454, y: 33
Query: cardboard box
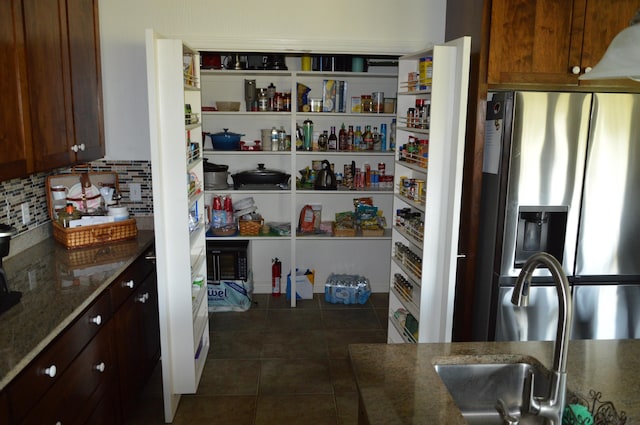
x: 328, y: 96
x: 304, y: 285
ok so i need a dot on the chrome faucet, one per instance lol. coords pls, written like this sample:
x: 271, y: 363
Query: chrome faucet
x: 551, y: 407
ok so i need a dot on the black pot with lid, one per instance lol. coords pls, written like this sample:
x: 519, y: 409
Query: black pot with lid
x: 261, y: 178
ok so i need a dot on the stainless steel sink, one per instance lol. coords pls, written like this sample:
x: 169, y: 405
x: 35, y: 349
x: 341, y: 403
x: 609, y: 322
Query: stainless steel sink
x: 476, y: 388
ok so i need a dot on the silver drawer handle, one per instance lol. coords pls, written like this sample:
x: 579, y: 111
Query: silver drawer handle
x: 128, y: 284
x: 96, y: 319
x: 100, y: 367
x: 143, y: 298
x: 51, y: 371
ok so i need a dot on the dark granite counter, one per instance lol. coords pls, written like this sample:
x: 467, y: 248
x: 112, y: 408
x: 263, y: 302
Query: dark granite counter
x: 399, y: 385
x: 57, y: 285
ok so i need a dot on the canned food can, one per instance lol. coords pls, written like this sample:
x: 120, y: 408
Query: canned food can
x: 381, y: 168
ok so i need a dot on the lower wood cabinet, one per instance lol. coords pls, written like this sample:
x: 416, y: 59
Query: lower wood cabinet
x: 94, y: 371
x: 138, y: 336
x: 72, y: 399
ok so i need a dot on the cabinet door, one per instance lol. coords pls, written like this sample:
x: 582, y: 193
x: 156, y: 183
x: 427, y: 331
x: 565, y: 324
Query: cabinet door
x: 552, y: 41
x: 62, y: 58
x: 531, y: 41
x: 138, y: 341
x: 49, y: 92
x: 604, y: 19
x: 15, y: 143
x: 80, y: 388
x: 84, y: 60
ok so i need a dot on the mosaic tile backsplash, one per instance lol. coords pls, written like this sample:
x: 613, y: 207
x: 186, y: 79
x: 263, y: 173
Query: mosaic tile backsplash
x: 15, y: 192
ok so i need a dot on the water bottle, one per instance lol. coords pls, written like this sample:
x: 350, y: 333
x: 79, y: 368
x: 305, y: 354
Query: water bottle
x: 383, y: 137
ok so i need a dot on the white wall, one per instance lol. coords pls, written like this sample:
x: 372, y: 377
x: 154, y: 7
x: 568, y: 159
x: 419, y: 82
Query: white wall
x: 330, y: 26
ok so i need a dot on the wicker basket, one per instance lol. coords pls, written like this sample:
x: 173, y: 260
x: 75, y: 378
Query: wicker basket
x: 250, y: 227
x: 99, y: 234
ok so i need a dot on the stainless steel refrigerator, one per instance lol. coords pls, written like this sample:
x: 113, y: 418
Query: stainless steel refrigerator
x: 561, y: 175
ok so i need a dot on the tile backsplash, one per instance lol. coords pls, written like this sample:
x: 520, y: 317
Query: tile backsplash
x: 15, y: 192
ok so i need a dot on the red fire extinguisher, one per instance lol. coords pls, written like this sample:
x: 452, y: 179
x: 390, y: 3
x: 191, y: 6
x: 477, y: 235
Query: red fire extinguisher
x: 276, y: 274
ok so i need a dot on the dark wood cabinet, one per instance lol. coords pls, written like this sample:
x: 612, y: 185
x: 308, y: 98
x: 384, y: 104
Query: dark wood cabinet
x: 15, y: 138
x: 138, y: 335
x: 52, y: 96
x: 552, y: 41
x: 75, y: 395
x: 37, y: 380
x: 94, y: 371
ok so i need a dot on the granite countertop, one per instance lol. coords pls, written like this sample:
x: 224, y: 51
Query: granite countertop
x: 57, y: 284
x: 399, y: 385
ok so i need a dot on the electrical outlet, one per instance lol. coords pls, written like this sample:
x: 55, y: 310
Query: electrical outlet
x: 135, y: 192
x: 26, y: 214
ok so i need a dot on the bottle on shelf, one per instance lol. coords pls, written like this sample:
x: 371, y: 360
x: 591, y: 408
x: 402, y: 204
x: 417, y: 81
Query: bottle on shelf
x: 274, y: 139
x: 357, y: 139
x: 367, y: 139
x: 282, y: 139
x: 383, y: 137
x: 342, y: 139
x: 392, y: 135
x: 323, y: 141
x: 333, y: 140
x: 377, y: 143
x: 350, y: 139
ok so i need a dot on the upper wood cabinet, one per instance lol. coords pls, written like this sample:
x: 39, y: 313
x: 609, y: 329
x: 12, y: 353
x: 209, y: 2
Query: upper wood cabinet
x: 552, y: 41
x: 15, y: 139
x: 52, y: 95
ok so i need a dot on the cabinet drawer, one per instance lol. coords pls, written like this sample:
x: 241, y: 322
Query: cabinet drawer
x: 126, y: 284
x: 51, y: 364
x: 75, y: 395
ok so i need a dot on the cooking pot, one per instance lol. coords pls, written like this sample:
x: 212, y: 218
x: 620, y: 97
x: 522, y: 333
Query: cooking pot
x: 225, y: 140
x: 215, y: 175
x: 261, y: 177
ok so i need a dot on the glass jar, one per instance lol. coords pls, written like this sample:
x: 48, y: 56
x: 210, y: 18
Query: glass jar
x: 366, y: 103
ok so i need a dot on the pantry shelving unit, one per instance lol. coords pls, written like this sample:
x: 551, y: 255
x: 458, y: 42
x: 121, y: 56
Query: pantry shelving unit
x: 173, y: 76
x: 423, y: 266
x: 324, y: 254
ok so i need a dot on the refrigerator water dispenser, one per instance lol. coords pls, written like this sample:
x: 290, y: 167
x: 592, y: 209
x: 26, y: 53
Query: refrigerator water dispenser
x: 540, y: 229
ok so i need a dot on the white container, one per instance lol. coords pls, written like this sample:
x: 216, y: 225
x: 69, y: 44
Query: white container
x: 119, y: 213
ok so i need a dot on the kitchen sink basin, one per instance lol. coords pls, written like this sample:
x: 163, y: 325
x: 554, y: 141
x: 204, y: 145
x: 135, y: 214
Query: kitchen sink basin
x: 476, y: 388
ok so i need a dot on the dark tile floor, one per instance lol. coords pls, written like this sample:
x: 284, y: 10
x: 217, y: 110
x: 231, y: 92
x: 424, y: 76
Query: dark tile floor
x: 277, y: 365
